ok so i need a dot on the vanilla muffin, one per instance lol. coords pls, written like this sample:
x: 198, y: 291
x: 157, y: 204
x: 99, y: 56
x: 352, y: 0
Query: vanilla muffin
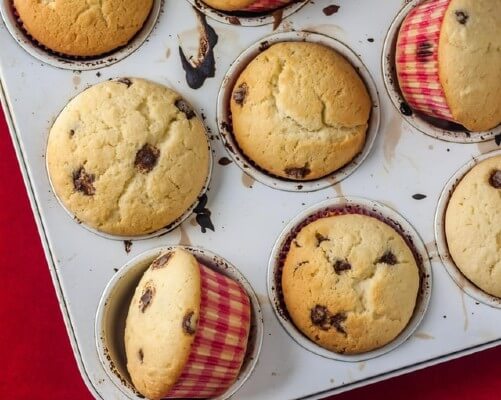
x: 82, y: 28
x: 300, y: 111
x: 473, y: 225
x: 350, y: 283
x: 128, y: 157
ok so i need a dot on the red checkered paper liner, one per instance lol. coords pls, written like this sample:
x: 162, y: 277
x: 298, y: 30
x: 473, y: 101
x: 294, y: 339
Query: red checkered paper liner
x: 266, y: 5
x: 417, y: 59
x: 221, y: 339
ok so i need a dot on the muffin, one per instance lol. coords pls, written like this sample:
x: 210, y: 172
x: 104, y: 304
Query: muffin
x: 300, y: 111
x: 186, y: 330
x: 473, y: 226
x: 446, y: 61
x: 350, y: 283
x: 128, y: 157
x: 247, y: 5
x: 81, y: 28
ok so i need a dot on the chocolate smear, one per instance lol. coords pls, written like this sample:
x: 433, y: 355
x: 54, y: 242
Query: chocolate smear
x: 320, y: 238
x: 337, y: 320
x: 329, y: 10
x: 224, y: 161
x: 147, y: 296
x: 497, y: 139
x: 146, y: 158
x: 125, y: 81
x: 419, y: 196
x: 83, y: 182
x: 189, y: 323
x: 127, y: 245
x: 140, y: 355
x: 318, y: 315
x: 203, y: 215
x: 240, y: 93
x: 183, y: 106
x: 277, y: 18
x: 297, y: 172
x: 204, y: 66
x: 461, y: 17
x: 388, y: 258
x: 161, y: 261
x: 405, y: 109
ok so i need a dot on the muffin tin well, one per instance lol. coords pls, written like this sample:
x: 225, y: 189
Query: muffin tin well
x: 224, y: 115
x: 240, y: 218
x: 114, y: 305
x: 434, y: 127
x: 76, y: 63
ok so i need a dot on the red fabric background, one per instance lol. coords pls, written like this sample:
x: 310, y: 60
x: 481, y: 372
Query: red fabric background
x: 36, y: 358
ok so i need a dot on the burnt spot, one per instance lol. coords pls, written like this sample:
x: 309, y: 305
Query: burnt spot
x: 140, y: 355
x: 146, y: 158
x: 337, y: 320
x: 183, y: 106
x: 388, y: 258
x: 297, y: 172
x: 240, y: 93
x: 127, y: 246
x: 424, y: 51
x: 461, y: 17
x: 189, y: 323
x: 126, y: 81
x: 320, y: 238
x: 341, y: 266
x: 329, y: 10
x: 83, y: 182
x: 318, y: 316
x: 405, y: 109
x: 495, y: 179
x: 161, y: 261
x: 147, y: 296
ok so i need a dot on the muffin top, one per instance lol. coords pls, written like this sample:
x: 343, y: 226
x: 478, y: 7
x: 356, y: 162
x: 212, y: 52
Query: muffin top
x: 473, y: 225
x: 470, y: 62
x: 83, y: 27
x: 300, y: 111
x: 229, y: 5
x: 128, y: 157
x: 350, y: 283
x: 162, y: 322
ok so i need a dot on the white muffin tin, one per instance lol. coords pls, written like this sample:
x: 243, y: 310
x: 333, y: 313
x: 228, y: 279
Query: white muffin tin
x: 248, y: 216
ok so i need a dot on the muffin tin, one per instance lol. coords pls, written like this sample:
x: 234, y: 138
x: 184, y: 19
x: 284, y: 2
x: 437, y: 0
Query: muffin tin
x: 405, y: 170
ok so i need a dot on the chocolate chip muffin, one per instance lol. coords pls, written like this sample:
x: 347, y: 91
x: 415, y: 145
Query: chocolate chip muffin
x: 300, y: 111
x: 128, y: 157
x: 82, y: 28
x: 350, y: 283
x: 162, y: 321
x: 473, y: 225
x: 470, y: 62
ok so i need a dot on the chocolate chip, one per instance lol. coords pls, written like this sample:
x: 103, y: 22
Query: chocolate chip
x: 424, y: 51
x: 147, y: 296
x: 320, y: 238
x: 189, y: 323
x: 161, y: 261
x: 297, y: 172
x: 370, y: 40
x: 497, y: 139
x: 461, y: 17
x: 125, y: 81
x: 264, y: 45
x: 224, y: 161
x: 127, y: 245
x: 388, y: 258
x: 240, y: 94
x: 405, y: 109
x: 72, y: 132
x: 301, y: 264
x: 495, y: 179
x: 83, y: 182
x: 329, y: 10
x: 318, y: 315
x: 140, y: 355
x: 341, y: 265
x: 296, y: 244
x: 419, y: 196
x: 146, y: 158
x: 336, y: 321
x: 183, y: 106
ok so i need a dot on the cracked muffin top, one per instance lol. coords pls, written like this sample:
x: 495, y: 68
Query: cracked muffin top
x: 300, y: 111
x: 473, y: 225
x: 350, y: 283
x: 128, y: 157
x: 83, y: 28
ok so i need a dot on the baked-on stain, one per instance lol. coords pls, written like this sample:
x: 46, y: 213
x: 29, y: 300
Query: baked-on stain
x: 224, y: 161
x: 340, y: 266
x: 140, y: 355
x: 161, y: 261
x: 205, y: 65
x: 146, y: 158
x: 461, y: 17
x: 320, y: 316
x: 83, y: 182
x: 297, y: 172
x: 329, y: 10
x: 203, y: 215
x: 240, y: 93
x: 189, y: 323
x: 495, y: 179
x: 405, y: 109
x: 147, y: 296
x: 183, y: 106
x: 387, y: 258
x: 424, y: 51
x: 320, y: 238
x: 126, y: 81
x: 127, y: 246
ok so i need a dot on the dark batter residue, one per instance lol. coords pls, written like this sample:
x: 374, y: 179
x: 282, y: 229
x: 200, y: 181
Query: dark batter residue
x: 329, y: 10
